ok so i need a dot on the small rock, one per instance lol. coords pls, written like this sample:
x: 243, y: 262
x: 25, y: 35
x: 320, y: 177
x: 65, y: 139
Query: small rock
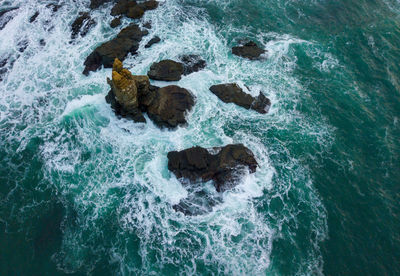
x: 115, y: 22
x: 94, y: 4
x: 82, y: 25
x: 152, y: 41
x: 53, y: 7
x: 249, y: 50
x: 166, y: 70
x: 197, y: 163
x: 33, y: 17
x: 147, y: 25
x: 232, y: 93
x: 192, y: 63
x: 122, y: 7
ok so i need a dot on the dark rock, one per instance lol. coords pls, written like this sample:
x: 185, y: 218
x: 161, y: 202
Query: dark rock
x: 131, y: 95
x: 135, y: 12
x: 169, y: 106
x: 197, y: 203
x: 166, y: 70
x: 33, y: 17
x: 127, y: 41
x: 198, y: 164
x: 149, y: 5
x: 53, y: 7
x: 124, y: 95
x: 122, y: 7
x: 232, y: 93
x: 152, y: 41
x: 42, y: 42
x: 94, y: 4
x: 22, y: 45
x: 115, y: 22
x: 192, y: 63
x: 82, y: 25
x: 6, y: 15
x: 147, y: 25
x: 249, y: 50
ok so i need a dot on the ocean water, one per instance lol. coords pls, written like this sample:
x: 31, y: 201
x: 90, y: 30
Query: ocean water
x: 84, y: 193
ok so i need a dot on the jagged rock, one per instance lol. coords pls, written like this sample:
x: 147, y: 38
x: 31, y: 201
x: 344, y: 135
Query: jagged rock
x: 53, y: 7
x: 166, y: 70
x: 33, y: 17
x: 115, y: 22
x: 147, y: 25
x: 192, y: 63
x: 152, y: 41
x: 249, y: 50
x: 124, y: 90
x: 82, y: 25
x: 127, y: 41
x: 223, y: 168
x: 169, y: 106
x: 131, y: 95
x: 232, y: 93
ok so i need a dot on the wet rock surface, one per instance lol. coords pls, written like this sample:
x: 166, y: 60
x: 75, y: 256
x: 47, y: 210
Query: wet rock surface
x: 232, y: 93
x: 82, y: 24
x: 115, y: 22
x: 192, y: 63
x: 249, y: 50
x: 224, y: 168
x: 131, y: 95
x: 7, y: 15
x: 152, y: 41
x: 127, y: 41
x: 166, y: 70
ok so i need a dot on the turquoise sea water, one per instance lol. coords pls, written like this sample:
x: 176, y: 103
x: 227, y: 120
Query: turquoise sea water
x: 82, y: 192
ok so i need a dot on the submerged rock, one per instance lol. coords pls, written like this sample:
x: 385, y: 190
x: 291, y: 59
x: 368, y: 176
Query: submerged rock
x: 82, y: 25
x: 127, y: 41
x: 232, y: 93
x: 223, y: 168
x: 152, y: 41
x: 166, y: 70
x: 131, y: 95
x: 122, y: 7
x: 6, y: 15
x: 94, y: 4
x: 192, y: 63
x: 249, y: 50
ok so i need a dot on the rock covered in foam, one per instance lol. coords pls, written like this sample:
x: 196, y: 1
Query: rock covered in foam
x: 223, y: 168
x: 232, y: 93
x: 82, y: 24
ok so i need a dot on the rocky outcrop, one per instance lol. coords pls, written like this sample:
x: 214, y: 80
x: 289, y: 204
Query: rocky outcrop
x: 132, y: 9
x: 192, y: 63
x: 152, y: 41
x: 82, y: 25
x: 127, y: 41
x: 169, y: 106
x: 232, y: 93
x: 131, y: 95
x: 223, y: 168
x: 166, y: 70
x: 249, y: 50
x: 115, y: 22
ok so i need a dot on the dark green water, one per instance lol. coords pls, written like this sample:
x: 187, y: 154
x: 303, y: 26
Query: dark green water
x: 84, y: 193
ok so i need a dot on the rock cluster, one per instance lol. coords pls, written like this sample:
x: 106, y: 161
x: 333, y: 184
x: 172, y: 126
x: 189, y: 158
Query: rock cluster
x: 82, y: 24
x: 131, y: 95
x: 198, y: 163
x: 127, y: 41
x: 232, y: 93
